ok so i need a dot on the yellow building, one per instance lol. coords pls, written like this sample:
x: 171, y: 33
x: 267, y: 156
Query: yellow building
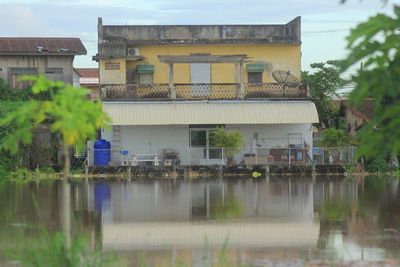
x: 173, y: 80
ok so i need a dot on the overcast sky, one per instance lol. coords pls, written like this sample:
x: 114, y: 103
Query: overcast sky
x: 325, y: 23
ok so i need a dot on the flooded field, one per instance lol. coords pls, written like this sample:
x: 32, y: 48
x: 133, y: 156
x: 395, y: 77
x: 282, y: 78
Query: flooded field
x: 254, y: 222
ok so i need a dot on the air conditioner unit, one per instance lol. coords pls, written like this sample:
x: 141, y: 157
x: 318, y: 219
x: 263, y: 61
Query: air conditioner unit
x: 133, y: 52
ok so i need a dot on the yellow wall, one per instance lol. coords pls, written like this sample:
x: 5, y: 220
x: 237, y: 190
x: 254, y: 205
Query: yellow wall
x: 113, y: 76
x: 273, y: 56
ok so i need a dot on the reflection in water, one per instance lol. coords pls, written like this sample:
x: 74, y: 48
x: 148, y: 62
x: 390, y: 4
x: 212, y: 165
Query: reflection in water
x: 191, y: 221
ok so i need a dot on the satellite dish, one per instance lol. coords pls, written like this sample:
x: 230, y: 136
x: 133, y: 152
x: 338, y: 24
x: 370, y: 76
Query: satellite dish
x: 283, y: 76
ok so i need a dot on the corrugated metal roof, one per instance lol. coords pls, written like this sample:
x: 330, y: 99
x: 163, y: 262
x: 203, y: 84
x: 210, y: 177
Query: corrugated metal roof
x: 183, y: 113
x: 41, y: 46
x: 88, y: 72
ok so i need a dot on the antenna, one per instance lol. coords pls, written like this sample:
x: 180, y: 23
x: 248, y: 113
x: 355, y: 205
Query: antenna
x: 283, y: 76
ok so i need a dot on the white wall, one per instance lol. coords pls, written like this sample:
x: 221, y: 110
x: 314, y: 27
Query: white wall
x: 154, y: 139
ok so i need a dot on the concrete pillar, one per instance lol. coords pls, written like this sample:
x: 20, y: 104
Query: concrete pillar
x: 172, y: 93
x: 241, y: 85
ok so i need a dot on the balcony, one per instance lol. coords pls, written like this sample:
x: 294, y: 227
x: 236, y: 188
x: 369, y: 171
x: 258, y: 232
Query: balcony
x: 201, y: 91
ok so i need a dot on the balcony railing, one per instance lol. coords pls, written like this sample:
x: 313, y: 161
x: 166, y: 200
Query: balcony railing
x: 195, y: 156
x: 201, y: 91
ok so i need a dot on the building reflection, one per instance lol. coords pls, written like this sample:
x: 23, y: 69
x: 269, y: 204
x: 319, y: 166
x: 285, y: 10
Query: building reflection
x: 194, y: 220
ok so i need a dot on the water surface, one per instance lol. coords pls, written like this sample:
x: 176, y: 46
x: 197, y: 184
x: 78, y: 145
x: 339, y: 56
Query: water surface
x: 257, y: 220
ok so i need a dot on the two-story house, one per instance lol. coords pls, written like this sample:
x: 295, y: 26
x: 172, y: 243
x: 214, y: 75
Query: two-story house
x: 52, y: 57
x: 167, y: 88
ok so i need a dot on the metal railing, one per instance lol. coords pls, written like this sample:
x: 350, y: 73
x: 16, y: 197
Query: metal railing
x: 212, y: 91
x: 197, y: 156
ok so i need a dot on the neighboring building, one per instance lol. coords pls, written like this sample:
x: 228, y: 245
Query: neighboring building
x: 167, y: 88
x: 89, y: 78
x: 357, y: 115
x: 52, y: 57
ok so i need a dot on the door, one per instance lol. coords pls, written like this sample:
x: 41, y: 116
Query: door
x: 202, y: 151
x: 200, y: 78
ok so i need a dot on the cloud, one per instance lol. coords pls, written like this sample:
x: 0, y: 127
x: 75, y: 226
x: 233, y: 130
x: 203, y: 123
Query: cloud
x: 22, y: 21
x: 78, y: 18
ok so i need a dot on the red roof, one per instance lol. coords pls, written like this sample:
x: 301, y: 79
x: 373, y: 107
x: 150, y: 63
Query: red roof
x: 364, y: 110
x: 88, y: 72
x: 41, y: 46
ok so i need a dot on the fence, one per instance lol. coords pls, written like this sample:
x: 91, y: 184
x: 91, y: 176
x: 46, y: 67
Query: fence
x: 192, y: 156
x: 117, y: 92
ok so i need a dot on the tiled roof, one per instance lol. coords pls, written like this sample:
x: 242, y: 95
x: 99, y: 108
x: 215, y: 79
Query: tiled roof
x: 41, y: 46
x: 88, y: 72
x: 365, y: 110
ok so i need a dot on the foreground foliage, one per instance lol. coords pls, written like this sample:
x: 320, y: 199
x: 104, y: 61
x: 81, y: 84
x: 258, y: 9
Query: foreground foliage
x: 50, y: 251
x: 68, y: 113
x: 376, y: 43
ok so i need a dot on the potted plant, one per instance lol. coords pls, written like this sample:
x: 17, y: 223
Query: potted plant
x: 228, y: 141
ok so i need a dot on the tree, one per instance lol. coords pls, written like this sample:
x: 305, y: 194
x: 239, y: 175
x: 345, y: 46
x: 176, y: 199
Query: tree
x: 376, y: 43
x: 324, y: 82
x: 332, y: 137
x: 229, y: 141
x: 68, y: 113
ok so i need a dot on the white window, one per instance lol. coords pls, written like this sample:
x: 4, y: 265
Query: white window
x: 145, y: 78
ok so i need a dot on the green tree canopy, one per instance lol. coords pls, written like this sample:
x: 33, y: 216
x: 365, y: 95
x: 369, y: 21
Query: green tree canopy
x: 324, y: 82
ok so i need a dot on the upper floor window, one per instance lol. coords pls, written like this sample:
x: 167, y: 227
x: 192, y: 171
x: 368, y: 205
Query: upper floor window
x: 255, y: 73
x: 254, y: 77
x: 55, y: 74
x: 15, y: 74
x: 145, y: 73
x: 54, y: 71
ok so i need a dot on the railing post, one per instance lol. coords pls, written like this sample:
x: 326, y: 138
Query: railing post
x: 102, y: 92
x: 172, y: 93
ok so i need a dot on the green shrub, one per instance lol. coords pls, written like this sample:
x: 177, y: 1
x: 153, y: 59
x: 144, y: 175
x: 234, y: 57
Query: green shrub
x: 50, y: 251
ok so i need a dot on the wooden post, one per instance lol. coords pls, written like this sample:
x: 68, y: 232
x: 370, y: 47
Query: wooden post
x: 172, y: 93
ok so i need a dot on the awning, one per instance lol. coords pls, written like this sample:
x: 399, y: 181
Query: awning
x: 255, y: 67
x: 145, y: 68
x: 216, y: 112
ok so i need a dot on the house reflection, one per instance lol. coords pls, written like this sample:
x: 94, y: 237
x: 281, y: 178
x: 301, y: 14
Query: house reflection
x: 255, y: 219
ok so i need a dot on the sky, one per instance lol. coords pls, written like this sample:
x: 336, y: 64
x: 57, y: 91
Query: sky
x: 325, y: 23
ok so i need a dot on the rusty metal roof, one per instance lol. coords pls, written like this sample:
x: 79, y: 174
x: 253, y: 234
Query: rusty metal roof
x: 41, y: 46
x: 364, y: 110
x: 88, y: 72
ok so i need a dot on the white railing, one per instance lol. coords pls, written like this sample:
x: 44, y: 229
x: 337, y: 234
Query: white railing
x: 195, y: 156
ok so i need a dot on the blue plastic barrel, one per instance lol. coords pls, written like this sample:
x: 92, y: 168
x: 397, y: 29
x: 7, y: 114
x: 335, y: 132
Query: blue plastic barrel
x: 102, y: 152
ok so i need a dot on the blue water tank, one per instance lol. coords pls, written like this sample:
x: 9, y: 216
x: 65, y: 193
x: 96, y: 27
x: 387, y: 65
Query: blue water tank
x: 102, y: 152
